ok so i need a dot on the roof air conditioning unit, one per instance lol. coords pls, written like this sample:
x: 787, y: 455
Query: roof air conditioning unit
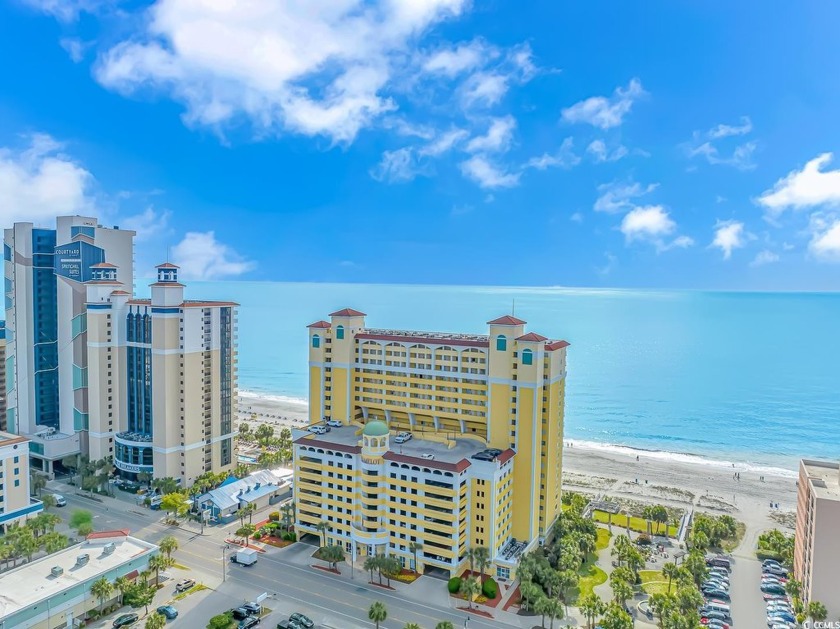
x: 57, y: 571
x: 109, y: 548
x: 82, y: 560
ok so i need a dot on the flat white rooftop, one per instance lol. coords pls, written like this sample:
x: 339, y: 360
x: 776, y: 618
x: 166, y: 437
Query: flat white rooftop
x: 824, y: 478
x: 32, y: 583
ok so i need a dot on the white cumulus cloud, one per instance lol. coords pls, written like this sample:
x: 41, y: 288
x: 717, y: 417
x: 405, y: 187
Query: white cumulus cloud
x: 725, y: 130
x: 39, y: 182
x: 454, y: 60
x: 605, y: 112
x: 487, y: 174
x: 600, y: 153
x: 825, y: 240
x: 498, y: 137
x: 729, y: 235
x: 149, y: 224
x: 66, y: 10
x: 646, y: 223
x: 809, y: 187
x: 202, y: 257
x: 320, y: 67
x: 564, y: 157
x: 764, y: 257
x: 618, y: 196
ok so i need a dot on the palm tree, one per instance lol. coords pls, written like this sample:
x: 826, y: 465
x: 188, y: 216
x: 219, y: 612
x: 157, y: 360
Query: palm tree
x: 443, y: 624
x: 371, y: 564
x: 36, y: 483
x: 246, y: 530
x: 817, y: 611
x: 470, y: 588
x: 669, y: 571
x: 168, y: 545
x: 53, y: 542
x: 377, y: 613
x: 322, y: 527
x: 471, y: 558
x: 157, y: 563
x: 541, y: 608
x: 660, y: 604
x: 122, y: 584
x: 414, y: 547
x: 529, y: 593
x: 288, y: 514
x: 554, y: 610
x: 482, y: 559
x: 101, y: 589
x: 411, y: 625
x: 793, y: 588
x: 591, y: 606
x: 155, y: 621
x: 48, y: 501
x: 622, y: 590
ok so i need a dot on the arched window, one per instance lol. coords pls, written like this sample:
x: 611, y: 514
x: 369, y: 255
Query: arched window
x: 501, y: 343
x: 316, y: 341
x: 527, y: 357
x: 339, y: 332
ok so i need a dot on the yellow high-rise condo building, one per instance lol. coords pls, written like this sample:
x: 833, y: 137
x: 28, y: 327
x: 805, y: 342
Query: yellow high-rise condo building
x: 422, y: 445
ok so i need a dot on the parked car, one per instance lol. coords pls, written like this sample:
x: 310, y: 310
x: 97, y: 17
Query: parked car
x: 482, y: 456
x: 253, y: 608
x: 711, y: 614
x: 60, y: 501
x: 772, y: 588
x: 288, y: 624
x: 184, y: 585
x: 167, y: 610
x: 402, y: 437
x: 125, y: 620
x: 493, y: 451
x: 318, y: 429
x: 250, y: 621
x: 777, y: 570
x: 302, y: 620
x: 239, y: 613
x: 427, y: 455
x: 717, y: 593
x: 335, y: 423
x: 717, y: 624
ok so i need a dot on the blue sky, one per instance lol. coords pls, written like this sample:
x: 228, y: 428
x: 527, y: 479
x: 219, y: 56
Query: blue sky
x: 656, y: 144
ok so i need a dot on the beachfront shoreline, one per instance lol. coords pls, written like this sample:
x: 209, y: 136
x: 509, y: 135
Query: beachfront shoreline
x: 762, y: 497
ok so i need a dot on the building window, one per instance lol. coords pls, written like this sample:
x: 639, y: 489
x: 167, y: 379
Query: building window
x: 527, y: 357
x: 339, y: 332
x: 316, y: 341
x: 17, y: 483
x: 501, y: 343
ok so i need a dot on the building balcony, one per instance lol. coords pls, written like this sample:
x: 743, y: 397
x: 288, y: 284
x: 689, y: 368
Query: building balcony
x: 367, y: 535
x: 134, y: 439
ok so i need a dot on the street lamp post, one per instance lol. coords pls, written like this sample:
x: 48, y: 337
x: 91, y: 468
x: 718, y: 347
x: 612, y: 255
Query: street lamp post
x: 224, y: 574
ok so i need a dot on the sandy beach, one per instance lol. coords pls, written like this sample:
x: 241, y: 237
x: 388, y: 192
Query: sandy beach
x: 625, y: 474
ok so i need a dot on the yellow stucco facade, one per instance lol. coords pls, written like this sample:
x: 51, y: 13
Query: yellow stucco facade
x: 460, y: 396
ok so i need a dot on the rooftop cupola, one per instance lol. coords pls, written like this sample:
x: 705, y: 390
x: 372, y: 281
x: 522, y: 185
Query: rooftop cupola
x: 167, y: 292
x: 167, y: 273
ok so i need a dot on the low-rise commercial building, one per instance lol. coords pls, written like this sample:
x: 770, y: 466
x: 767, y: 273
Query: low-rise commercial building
x: 260, y: 488
x: 54, y: 591
x: 16, y: 505
x: 817, y: 552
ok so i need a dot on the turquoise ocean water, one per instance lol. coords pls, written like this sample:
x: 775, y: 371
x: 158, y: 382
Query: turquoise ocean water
x: 752, y: 377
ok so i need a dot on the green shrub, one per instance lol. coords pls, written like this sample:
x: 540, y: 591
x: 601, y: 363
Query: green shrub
x: 292, y: 537
x: 274, y: 516
x: 454, y: 585
x: 643, y: 539
x: 490, y: 589
x: 257, y: 535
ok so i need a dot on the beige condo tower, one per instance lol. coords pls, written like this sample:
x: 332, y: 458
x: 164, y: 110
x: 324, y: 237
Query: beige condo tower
x: 162, y: 378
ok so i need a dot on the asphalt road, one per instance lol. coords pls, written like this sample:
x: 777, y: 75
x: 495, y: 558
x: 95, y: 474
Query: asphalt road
x: 329, y: 600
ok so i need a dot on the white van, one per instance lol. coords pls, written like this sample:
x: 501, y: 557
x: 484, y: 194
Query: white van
x: 59, y: 500
x: 717, y: 606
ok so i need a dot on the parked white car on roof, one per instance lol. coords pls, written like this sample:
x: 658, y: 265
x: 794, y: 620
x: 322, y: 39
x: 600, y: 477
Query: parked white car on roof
x: 402, y: 437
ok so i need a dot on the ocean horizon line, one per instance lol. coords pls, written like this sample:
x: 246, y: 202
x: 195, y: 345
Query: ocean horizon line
x: 520, y: 287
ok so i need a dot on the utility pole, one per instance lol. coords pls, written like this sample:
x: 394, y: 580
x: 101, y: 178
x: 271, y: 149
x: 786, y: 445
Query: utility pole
x: 224, y: 561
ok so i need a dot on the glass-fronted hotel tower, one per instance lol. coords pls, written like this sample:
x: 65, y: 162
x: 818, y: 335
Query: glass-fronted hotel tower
x: 150, y: 383
x: 483, y: 466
